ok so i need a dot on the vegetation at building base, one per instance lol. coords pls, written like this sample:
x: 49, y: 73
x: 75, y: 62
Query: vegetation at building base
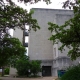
x: 11, y: 17
x: 6, y: 71
x: 68, y: 36
x: 72, y: 73
x: 35, y: 67
x: 10, y: 47
x: 26, y: 67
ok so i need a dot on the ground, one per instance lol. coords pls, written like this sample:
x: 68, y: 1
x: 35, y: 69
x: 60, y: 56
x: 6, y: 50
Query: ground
x: 41, y: 78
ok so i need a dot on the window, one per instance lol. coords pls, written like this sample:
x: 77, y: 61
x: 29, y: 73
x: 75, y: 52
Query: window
x: 27, y: 51
x: 55, y: 52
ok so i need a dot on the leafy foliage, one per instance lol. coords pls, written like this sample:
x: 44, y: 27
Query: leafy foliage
x: 6, y: 71
x: 71, y: 3
x: 10, y: 47
x: 12, y: 16
x: 25, y: 67
x: 31, y: 1
x: 72, y: 73
x: 68, y: 34
x: 35, y: 67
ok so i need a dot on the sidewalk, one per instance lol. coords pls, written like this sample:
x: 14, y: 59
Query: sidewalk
x: 41, y: 78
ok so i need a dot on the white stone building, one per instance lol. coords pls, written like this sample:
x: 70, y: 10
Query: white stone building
x: 40, y: 48
x: 20, y: 34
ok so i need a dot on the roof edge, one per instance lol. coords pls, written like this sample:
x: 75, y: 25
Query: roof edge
x: 50, y: 9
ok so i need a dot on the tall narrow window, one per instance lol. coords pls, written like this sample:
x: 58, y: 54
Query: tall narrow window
x: 55, y: 52
x: 27, y: 51
x: 26, y: 39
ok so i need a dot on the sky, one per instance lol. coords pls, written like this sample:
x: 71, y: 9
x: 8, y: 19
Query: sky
x: 56, y: 4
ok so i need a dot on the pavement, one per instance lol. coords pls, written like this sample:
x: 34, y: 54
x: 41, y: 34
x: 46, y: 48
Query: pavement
x: 40, y: 78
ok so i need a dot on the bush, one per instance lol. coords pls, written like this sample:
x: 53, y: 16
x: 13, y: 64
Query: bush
x: 35, y: 67
x: 27, y: 68
x: 72, y: 73
x: 6, y: 70
x: 23, y: 66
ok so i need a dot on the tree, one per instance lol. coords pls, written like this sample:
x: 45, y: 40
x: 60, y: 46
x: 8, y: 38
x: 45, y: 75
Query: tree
x: 12, y: 16
x: 72, y: 73
x: 23, y: 66
x: 26, y: 67
x: 10, y: 47
x: 35, y: 67
x: 70, y: 3
x: 29, y: 1
x: 69, y: 37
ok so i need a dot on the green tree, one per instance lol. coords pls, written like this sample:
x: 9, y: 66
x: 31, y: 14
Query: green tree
x: 35, y: 67
x: 70, y: 3
x: 6, y: 71
x: 72, y: 73
x: 69, y: 37
x: 29, y: 1
x: 26, y: 67
x: 23, y: 66
x: 10, y: 47
x: 12, y: 16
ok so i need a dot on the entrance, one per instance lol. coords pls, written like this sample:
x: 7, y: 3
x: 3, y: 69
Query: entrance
x: 46, y: 70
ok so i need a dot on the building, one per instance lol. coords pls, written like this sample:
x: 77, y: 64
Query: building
x: 40, y: 48
x: 21, y: 35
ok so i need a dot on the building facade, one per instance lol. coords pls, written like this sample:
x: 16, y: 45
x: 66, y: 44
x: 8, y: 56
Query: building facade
x: 21, y: 35
x: 40, y: 48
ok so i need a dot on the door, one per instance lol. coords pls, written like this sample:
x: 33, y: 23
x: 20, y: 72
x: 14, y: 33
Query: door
x: 46, y: 70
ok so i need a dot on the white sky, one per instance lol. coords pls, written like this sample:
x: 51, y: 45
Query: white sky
x: 56, y: 4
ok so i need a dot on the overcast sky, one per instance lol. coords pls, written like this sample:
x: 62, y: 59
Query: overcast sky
x: 56, y: 4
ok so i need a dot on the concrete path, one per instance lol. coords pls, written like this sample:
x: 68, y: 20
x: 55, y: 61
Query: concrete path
x: 41, y: 78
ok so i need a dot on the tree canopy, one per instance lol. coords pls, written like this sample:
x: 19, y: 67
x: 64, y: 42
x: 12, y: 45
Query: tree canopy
x: 10, y: 47
x: 29, y: 1
x: 69, y: 37
x: 70, y: 3
x: 12, y: 16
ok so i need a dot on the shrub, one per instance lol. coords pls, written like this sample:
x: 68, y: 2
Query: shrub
x: 6, y: 70
x: 35, y: 67
x: 72, y: 73
x: 28, y: 68
x: 22, y: 66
